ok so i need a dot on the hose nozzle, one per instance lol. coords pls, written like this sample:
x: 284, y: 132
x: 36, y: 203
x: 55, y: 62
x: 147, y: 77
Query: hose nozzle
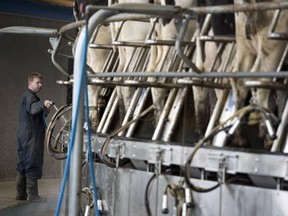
x: 234, y: 127
x: 188, y: 197
x: 165, y: 209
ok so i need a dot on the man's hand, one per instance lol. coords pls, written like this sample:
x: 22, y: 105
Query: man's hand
x: 48, y: 104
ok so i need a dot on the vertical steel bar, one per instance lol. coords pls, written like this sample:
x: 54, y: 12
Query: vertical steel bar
x: 281, y: 133
x: 174, y: 114
x: 164, y: 114
x: 107, y: 110
x: 131, y: 108
x: 138, y: 109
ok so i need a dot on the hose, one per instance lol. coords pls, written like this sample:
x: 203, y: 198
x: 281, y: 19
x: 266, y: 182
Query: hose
x: 59, y: 155
x: 90, y: 156
x: 73, y: 133
x: 107, y: 141
x: 147, y: 206
x: 201, y: 142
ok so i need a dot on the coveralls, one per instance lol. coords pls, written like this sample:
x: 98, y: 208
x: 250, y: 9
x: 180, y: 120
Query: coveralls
x: 31, y: 135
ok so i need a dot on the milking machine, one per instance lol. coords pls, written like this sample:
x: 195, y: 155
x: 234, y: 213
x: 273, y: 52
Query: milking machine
x: 148, y: 167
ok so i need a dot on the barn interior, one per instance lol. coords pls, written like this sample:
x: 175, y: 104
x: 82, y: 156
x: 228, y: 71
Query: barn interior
x: 160, y: 109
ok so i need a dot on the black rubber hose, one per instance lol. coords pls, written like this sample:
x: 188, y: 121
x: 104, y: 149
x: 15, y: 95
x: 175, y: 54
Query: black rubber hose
x: 147, y: 206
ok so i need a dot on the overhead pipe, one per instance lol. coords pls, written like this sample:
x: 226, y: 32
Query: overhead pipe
x: 239, y: 7
x: 29, y: 30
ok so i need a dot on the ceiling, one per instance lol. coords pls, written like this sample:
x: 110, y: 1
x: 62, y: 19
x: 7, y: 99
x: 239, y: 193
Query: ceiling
x: 65, y: 3
x: 48, y: 9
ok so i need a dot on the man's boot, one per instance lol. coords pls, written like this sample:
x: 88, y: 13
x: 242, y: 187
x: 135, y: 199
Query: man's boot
x: 32, y: 189
x: 21, y: 193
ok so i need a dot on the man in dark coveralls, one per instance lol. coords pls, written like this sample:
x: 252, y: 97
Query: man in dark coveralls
x: 30, y: 140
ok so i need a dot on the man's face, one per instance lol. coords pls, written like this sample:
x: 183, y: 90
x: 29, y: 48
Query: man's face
x: 35, y: 85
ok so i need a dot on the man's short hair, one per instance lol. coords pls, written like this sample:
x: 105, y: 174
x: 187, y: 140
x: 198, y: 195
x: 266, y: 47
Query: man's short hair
x: 34, y: 75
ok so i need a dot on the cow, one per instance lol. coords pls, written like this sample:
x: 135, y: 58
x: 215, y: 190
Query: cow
x: 167, y: 29
x: 161, y: 58
x: 96, y: 58
x: 206, y: 54
x: 255, y: 52
x: 131, y: 31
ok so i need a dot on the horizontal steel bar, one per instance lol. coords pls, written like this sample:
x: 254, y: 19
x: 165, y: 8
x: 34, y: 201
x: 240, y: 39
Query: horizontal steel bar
x: 180, y: 84
x: 240, y: 7
x: 29, y: 30
x: 256, y: 163
x: 261, y: 84
x: 150, y: 9
x: 100, y: 46
x: 172, y: 11
x: 217, y: 38
x: 282, y: 74
x: 168, y: 42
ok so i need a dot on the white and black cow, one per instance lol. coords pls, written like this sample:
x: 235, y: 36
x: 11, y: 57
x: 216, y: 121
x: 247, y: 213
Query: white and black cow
x: 160, y: 56
x: 166, y: 29
x: 96, y: 58
x: 256, y: 52
x: 131, y: 31
x: 206, y: 52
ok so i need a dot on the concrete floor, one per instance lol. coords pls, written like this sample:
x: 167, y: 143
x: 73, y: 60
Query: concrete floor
x: 48, y: 188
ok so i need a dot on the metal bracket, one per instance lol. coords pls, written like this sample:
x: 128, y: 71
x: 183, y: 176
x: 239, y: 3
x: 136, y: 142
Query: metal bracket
x: 217, y: 161
x: 158, y: 154
x: 117, y: 150
x: 54, y: 42
x: 286, y: 176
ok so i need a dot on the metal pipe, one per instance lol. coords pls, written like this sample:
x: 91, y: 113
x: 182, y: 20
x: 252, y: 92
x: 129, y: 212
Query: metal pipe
x: 164, y: 114
x: 282, y: 60
x: 281, y: 132
x: 110, y: 115
x: 174, y: 114
x: 171, y: 11
x: 283, y: 74
x: 76, y: 157
x: 53, y: 58
x: 130, y: 17
x: 180, y: 83
x: 274, y: 21
x: 131, y: 108
x: 161, y: 66
x: 71, y: 26
x: 217, y: 111
x: 113, y: 97
x: 239, y: 7
x: 139, y: 59
x: 29, y: 30
x: 75, y: 165
x: 206, y: 25
x: 228, y: 110
x: 138, y: 109
x: 150, y: 9
x: 178, y: 44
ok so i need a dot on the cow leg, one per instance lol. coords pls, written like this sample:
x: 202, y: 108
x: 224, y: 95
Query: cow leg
x: 93, y: 98
x: 202, y: 109
x: 244, y: 59
x: 269, y: 55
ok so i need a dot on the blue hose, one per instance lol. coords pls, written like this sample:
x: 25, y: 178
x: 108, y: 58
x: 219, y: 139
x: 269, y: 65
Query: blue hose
x: 73, y: 130
x: 90, y: 156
